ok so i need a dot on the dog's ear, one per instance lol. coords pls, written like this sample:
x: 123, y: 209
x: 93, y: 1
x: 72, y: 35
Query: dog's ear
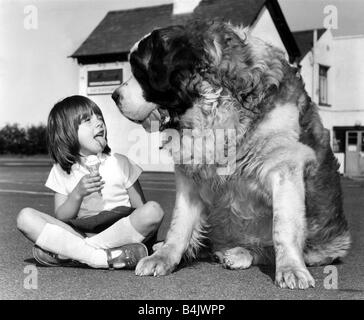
x: 173, y: 58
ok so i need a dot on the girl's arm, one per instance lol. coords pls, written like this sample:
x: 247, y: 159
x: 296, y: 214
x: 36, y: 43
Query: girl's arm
x: 66, y: 207
x: 136, y: 195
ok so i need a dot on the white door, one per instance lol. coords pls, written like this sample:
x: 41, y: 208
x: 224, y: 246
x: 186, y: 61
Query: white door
x: 354, y: 153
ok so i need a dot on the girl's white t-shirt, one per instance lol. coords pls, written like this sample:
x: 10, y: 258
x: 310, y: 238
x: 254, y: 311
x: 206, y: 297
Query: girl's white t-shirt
x: 118, y: 172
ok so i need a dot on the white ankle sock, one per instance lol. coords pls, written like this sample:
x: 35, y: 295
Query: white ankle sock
x: 120, y: 233
x: 58, y: 240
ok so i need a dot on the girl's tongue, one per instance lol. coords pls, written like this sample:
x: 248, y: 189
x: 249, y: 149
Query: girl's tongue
x: 101, y: 141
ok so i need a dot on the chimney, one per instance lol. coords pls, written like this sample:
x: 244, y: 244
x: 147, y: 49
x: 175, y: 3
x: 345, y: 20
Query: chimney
x: 184, y: 6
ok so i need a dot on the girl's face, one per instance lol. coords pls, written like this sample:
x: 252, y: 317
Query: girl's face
x: 91, y: 135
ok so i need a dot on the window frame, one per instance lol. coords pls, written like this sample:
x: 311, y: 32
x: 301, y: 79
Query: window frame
x: 322, y: 102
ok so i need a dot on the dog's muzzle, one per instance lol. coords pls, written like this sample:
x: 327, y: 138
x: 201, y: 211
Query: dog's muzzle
x: 117, y: 96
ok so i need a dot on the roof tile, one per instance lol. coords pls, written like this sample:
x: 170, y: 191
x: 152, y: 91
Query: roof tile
x: 119, y: 30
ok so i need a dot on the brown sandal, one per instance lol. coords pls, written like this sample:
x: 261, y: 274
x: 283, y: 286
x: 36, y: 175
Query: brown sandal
x: 50, y: 259
x: 129, y: 257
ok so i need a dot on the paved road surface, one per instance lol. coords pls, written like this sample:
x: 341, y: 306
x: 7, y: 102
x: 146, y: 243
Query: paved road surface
x: 21, y: 185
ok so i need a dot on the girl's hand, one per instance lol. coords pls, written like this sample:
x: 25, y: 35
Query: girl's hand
x: 89, y: 184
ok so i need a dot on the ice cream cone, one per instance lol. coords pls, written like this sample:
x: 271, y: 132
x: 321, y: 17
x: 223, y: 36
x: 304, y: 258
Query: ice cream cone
x: 92, y: 164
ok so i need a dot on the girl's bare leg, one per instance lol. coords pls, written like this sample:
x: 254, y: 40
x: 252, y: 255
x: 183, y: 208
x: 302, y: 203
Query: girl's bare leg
x: 56, y: 236
x: 31, y: 223
x: 147, y: 218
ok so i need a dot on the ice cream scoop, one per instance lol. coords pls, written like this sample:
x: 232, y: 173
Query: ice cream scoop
x: 92, y: 164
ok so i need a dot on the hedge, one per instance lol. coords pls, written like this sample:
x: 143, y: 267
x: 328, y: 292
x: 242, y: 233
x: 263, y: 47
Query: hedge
x: 18, y: 140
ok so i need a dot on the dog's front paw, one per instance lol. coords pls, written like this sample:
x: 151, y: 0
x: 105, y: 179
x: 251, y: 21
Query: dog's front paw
x: 160, y: 263
x: 294, y: 278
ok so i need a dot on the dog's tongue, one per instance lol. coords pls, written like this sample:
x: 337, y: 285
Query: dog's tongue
x: 156, y: 121
x: 152, y: 122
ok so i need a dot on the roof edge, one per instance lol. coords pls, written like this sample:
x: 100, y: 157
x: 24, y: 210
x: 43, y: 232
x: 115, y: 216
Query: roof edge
x: 308, y: 30
x: 142, y: 8
x: 101, y: 58
x: 283, y: 29
x: 74, y: 54
x: 257, y: 14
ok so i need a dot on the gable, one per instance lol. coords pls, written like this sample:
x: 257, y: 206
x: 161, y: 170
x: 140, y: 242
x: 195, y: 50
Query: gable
x: 265, y: 29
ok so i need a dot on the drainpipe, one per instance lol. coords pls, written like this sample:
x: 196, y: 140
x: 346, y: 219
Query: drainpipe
x: 314, y: 66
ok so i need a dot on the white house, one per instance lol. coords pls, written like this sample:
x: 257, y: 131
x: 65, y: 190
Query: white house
x: 103, y: 58
x: 333, y: 71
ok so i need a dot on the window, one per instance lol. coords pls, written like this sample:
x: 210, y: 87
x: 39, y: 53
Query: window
x: 341, y: 143
x: 323, y: 95
x: 352, y: 138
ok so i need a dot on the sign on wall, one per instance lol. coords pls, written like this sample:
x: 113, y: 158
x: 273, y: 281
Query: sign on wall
x: 103, y: 81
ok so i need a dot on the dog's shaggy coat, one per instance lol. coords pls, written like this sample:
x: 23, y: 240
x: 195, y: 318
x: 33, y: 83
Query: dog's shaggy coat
x: 281, y: 203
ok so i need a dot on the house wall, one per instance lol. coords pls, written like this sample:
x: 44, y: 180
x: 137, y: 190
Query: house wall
x: 124, y: 136
x: 323, y: 54
x: 345, y: 82
x: 349, y: 93
x: 349, y: 83
x: 345, y: 79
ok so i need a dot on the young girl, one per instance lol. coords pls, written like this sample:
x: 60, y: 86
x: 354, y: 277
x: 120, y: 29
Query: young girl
x: 100, y: 220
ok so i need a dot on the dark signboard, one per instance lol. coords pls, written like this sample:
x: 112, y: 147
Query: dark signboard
x: 104, y: 81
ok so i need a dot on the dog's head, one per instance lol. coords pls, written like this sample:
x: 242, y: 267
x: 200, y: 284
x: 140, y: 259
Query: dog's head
x: 164, y: 66
x: 203, y: 64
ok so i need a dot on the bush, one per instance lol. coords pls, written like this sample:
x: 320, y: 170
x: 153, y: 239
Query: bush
x: 36, y: 139
x: 28, y: 141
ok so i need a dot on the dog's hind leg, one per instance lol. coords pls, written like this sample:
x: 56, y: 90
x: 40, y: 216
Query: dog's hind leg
x: 325, y: 253
x: 243, y: 258
x: 235, y: 258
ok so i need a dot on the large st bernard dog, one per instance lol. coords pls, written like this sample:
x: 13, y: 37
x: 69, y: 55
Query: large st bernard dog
x: 282, y: 202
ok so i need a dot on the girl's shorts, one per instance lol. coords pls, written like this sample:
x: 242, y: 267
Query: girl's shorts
x: 101, y: 221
